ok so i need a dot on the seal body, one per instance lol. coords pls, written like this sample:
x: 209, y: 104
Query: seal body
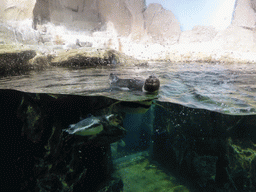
x: 132, y: 84
x: 151, y: 84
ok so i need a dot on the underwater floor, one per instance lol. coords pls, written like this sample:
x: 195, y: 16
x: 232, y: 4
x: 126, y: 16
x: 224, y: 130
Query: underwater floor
x: 139, y: 174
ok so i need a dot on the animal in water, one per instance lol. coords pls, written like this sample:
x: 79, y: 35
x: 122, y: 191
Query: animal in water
x: 89, y: 126
x: 151, y: 84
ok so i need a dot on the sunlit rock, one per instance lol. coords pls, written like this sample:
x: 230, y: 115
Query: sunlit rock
x: 237, y: 39
x: 7, y: 35
x: 91, y: 57
x: 73, y: 14
x: 245, y: 13
x: 126, y: 16
x: 161, y: 24
x: 198, y: 34
x: 40, y: 62
x: 16, y: 9
x: 92, y: 15
x: 12, y: 32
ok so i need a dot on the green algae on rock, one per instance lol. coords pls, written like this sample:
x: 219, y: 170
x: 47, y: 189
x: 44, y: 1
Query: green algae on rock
x: 92, y: 57
x: 15, y: 60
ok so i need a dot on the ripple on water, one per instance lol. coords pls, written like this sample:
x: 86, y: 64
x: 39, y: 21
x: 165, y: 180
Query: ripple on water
x: 225, y: 88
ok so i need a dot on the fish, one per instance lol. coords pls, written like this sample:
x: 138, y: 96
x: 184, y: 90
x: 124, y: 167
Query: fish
x: 89, y: 126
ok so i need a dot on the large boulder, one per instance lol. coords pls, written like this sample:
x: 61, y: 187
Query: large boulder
x: 127, y: 16
x: 198, y: 34
x: 161, y: 24
x: 92, y: 57
x: 237, y: 39
x: 74, y: 14
x: 245, y: 13
x: 93, y: 15
x: 16, y: 9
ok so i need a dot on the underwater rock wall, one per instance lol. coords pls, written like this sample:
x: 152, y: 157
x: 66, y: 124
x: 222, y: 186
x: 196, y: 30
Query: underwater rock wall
x: 213, y: 151
x: 39, y: 156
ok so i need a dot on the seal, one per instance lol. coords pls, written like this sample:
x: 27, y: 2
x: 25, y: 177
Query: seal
x: 151, y: 84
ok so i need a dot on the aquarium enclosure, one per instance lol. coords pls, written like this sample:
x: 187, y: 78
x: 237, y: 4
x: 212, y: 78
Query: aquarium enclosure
x: 128, y: 96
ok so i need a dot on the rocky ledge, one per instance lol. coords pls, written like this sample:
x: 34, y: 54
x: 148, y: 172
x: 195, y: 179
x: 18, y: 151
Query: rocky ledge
x: 17, y: 59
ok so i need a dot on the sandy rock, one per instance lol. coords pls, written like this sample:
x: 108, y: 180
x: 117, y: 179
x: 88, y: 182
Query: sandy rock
x: 16, y: 9
x: 198, y: 34
x: 92, y: 15
x: 161, y: 24
x: 245, y: 13
x: 91, y: 57
x: 126, y: 16
x: 237, y: 39
x: 39, y: 62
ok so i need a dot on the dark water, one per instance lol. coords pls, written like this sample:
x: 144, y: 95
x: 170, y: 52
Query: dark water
x: 229, y: 88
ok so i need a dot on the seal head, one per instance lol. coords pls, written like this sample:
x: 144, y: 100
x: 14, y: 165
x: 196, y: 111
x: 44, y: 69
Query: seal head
x: 151, y: 84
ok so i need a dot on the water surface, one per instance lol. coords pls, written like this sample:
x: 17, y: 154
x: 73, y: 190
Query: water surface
x: 227, y: 88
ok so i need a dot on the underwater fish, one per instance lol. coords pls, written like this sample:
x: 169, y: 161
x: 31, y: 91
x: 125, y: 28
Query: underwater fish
x: 86, y: 127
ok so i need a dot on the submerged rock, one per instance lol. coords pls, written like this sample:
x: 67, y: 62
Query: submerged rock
x: 214, y: 151
x: 39, y: 156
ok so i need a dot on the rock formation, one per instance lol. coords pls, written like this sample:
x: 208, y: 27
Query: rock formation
x: 92, y: 15
x: 39, y: 156
x: 126, y: 15
x: 161, y: 24
x: 16, y: 9
x: 198, y: 34
x: 245, y: 14
x: 237, y: 39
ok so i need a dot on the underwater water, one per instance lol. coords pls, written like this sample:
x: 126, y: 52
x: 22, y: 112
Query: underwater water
x: 198, y: 135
